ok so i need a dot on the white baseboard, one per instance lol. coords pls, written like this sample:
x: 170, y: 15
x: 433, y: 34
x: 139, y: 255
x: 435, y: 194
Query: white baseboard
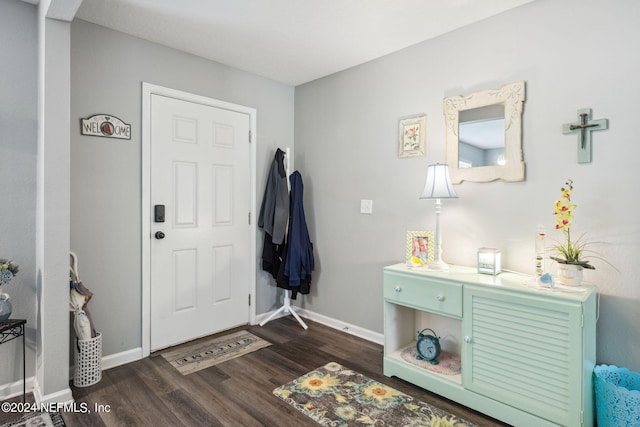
x: 121, y: 358
x: 114, y: 360
x: 263, y: 316
x: 358, y: 331
x: 9, y: 390
x: 60, y: 396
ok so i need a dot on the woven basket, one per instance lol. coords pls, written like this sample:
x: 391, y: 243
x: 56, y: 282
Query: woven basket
x: 88, y: 355
x: 617, y: 396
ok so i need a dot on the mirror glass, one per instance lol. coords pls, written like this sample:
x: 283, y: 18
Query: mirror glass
x: 484, y: 135
x: 481, y: 136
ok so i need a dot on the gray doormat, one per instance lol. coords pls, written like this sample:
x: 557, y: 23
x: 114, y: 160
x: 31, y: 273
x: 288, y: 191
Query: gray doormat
x: 203, y: 354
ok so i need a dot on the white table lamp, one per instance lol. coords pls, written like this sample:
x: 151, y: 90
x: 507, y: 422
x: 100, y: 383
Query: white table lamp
x: 438, y: 186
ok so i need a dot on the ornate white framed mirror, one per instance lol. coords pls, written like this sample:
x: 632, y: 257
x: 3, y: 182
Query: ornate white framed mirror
x: 484, y: 135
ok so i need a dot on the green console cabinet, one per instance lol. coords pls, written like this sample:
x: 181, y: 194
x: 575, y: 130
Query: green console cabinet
x: 526, y: 353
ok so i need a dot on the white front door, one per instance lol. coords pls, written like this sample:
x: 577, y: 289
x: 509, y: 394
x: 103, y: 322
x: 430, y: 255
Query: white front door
x: 200, y: 250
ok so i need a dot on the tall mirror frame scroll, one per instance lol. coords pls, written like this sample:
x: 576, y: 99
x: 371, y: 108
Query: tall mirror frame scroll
x: 483, y: 111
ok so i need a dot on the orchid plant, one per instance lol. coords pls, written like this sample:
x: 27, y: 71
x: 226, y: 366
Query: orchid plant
x: 570, y: 252
x: 8, y: 269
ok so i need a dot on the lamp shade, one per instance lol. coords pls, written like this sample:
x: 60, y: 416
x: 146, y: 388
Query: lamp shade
x: 438, y: 185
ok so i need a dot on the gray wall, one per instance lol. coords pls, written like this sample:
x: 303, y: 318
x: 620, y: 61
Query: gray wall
x: 18, y: 146
x: 572, y: 54
x: 107, y: 70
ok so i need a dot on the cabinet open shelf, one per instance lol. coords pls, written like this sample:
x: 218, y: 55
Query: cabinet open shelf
x: 446, y: 360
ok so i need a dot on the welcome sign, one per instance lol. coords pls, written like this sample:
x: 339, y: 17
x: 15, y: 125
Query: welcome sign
x: 105, y: 126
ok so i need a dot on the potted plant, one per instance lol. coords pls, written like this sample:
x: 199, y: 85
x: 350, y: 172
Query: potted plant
x: 570, y: 253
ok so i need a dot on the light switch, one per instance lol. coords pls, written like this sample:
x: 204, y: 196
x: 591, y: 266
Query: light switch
x: 366, y: 206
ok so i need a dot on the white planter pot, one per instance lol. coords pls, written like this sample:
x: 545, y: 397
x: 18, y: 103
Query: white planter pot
x: 5, y: 307
x: 569, y: 274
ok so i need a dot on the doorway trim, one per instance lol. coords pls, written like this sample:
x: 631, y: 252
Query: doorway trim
x: 151, y: 89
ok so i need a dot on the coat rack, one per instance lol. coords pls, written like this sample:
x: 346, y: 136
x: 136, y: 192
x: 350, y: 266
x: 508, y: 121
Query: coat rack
x: 286, y: 307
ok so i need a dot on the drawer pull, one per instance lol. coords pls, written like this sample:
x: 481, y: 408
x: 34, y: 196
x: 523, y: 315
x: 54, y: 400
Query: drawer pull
x: 440, y: 297
x: 397, y: 289
x: 467, y: 340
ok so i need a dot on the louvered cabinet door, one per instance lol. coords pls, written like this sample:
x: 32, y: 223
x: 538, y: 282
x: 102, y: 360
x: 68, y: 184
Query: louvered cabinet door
x: 525, y: 351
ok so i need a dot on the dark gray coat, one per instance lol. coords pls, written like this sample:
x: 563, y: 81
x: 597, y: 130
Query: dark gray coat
x: 274, y: 212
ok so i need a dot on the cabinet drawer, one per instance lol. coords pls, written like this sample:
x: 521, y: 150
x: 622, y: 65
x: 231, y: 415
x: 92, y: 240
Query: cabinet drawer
x: 426, y: 294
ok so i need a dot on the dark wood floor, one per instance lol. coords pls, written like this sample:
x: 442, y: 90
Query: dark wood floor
x: 150, y: 392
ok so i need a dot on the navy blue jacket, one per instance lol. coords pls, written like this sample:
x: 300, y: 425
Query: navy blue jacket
x: 299, y: 263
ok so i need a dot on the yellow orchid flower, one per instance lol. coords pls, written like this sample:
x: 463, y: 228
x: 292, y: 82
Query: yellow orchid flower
x: 563, y: 208
x: 563, y: 220
x: 564, y: 205
x: 570, y: 252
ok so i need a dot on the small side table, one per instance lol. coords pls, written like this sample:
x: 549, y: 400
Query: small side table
x: 9, y: 330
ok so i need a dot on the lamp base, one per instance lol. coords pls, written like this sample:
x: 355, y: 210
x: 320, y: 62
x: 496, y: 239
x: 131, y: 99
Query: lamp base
x: 438, y: 265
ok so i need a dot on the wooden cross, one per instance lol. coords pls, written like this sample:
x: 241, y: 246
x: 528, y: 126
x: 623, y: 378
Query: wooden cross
x: 586, y: 126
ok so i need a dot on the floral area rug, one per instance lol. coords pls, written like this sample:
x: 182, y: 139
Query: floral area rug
x: 38, y: 419
x: 337, y: 396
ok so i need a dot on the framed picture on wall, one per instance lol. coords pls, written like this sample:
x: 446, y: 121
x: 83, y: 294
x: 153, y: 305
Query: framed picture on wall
x: 412, y: 133
x: 419, y: 248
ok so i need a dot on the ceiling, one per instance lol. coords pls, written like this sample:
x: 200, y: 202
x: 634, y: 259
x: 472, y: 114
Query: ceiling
x: 290, y: 41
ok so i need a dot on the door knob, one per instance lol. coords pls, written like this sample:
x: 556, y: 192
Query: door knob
x: 159, y: 235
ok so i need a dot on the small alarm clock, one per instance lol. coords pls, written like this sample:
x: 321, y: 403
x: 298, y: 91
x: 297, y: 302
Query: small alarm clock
x: 428, y: 346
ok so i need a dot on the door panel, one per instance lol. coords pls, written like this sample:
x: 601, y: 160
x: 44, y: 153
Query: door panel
x: 222, y: 197
x: 185, y: 279
x: 185, y: 192
x: 200, y: 169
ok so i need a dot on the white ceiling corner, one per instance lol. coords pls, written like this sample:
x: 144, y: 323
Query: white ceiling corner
x: 290, y: 41
x: 64, y: 10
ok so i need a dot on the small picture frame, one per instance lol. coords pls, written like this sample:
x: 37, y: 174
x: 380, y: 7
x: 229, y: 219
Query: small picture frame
x: 419, y: 248
x: 411, y: 136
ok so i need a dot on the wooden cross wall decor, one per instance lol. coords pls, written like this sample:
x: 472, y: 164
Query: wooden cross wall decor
x: 585, y: 127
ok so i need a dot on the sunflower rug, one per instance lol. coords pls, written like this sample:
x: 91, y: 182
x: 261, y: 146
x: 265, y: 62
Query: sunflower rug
x: 333, y: 395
